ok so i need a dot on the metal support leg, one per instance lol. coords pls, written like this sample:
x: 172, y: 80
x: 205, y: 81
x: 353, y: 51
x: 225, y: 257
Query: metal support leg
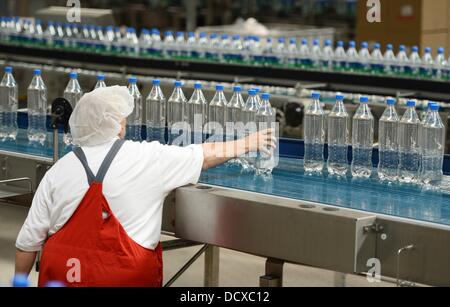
x: 212, y: 255
x: 340, y: 279
x: 274, y: 274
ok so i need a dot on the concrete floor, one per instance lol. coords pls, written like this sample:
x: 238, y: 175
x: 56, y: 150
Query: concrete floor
x: 236, y: 269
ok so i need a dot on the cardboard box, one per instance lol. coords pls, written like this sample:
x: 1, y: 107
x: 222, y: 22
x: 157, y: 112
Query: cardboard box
x: 435, y: 14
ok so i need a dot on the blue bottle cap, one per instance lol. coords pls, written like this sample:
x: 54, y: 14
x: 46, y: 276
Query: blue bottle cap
x: 256, y: 39
x: 315, y: 95
x: 251, y: 92
x: 73, y: 75
x: 180, y: 34
x: 101, y: 77
x: 340, y: 97
x: 156, y: 82
x: 364, y: 99
x: 197, y: 85
x: 304, y: 41
x: 155, y: 31
x: 415, y: 49
x: 219, y: 87
x: 20, y: 281
x: 202, y: 34
x: 8, y: 69
x: 292, y: 41
x: 178, y: 83
x: 168, y: 33
x: 132, y: 80
x: 411, y: 103
x: 340, y: 44
x: 236, y: 37
x: 109, y: 28
x: 145, y: 31
x: 434, y: 107
x: 428, y: 50
x: 377, y: 46
x: 265, y: 96
x: 316, y: 42
x: 37, y: 72
x: 38, y: 22
x: 50, y: 23
x: 54, y: 284
x: 191, y: 34
x: 441, y: 50
x: 365, y: 45
x: 328, y: 42
x: 224, y: 36
x: 390, y: 101
x: 352, y: 44
x: 282, y: 40
x: 430, y: 103
x: 213, y: 35
x: 257, y: 90
x: 237, y: 88
x: 402, y: 47
x: 269, y: 39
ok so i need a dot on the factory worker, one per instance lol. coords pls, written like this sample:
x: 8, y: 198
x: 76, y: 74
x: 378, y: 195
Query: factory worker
x: 97, y: 213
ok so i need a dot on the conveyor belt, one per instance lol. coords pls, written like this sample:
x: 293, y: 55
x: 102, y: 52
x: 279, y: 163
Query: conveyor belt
x: 290, y: 181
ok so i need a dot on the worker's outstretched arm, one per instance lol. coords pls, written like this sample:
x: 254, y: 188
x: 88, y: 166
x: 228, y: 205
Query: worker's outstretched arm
x: 24, y: 261
x: 218, y: 153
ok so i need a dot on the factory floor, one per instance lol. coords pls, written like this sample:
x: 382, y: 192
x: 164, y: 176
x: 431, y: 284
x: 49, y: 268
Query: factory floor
x: 236, y: 269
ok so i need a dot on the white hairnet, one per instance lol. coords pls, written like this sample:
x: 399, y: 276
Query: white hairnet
x: 97, y: 116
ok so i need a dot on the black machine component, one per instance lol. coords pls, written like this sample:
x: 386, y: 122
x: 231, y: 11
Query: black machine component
x: 61, y: 112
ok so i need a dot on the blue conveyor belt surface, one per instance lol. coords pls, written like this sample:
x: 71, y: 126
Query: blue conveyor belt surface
x: 290, y: 181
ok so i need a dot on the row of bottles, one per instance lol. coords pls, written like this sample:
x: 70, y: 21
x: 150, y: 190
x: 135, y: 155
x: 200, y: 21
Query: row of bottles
x: 410, y: 150
x: 230, y: 48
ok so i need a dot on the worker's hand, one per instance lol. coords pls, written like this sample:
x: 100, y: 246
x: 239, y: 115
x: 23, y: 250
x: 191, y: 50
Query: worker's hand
x: 263, y: 141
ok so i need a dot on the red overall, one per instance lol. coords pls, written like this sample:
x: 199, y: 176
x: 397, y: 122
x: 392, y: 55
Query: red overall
x: 93, y: 250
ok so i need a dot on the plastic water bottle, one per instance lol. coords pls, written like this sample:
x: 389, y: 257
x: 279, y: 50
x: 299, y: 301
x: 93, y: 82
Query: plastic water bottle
x: 304, y: 54
x: 432, y: 141
x: 37, y: 109
x: 415, y: 62
x: 265, y: 118
x: 191, y: 46
x: 280, y: 51
x: 338, y: 138
x: 314, y: 135
x: 50, y: 34
x: 131, y: 42
x: 180, y: 43
x: 134, y: 120
x: 68, y: 36
x: 364, y: 57
x: 409, y: 148
x: 168, y: 44
x: 256, y: 51
x: 326, y: 60
x: 234, y: 109
x: 388, y: 143
x: 217, y: 115
x: 73, y: 91
x: 9, y: 92
x: 156, y: 114
x: 100, y: 81
x: 176, y: 106
x: 20, y: 281
x: 316, y: 54
x: 257, y: 96
x: 248, y: 117
x: 362, y: 140
x: 377, y: 60
x: 156, y: 49
x: 402, y: 61
x: 145, y: 42
x: 60, y: 34
x: 439, y: 64
x: 225, y: 45
x: 212, y: 50
x: 352, y: 56
x: 197, y: 113
x: 426, y: 70
x: 340, y: 57
x: 268, y: 50
x: 292, y: 53
x: 202, y: 45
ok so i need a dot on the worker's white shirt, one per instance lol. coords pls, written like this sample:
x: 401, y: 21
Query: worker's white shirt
x: 140, y: 177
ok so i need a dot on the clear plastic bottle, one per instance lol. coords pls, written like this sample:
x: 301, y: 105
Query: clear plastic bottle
x: 352, y: 56
x: 169, y: 49
x: 362, y: 140
x: 377, y: 60
x: 8, y: 105
x: 197, y: 114
x: 280, y: 51
x: 176, y: 106
x: 225, y: 45
x: 234, y: 109
x: 180, y: 44
x: 402, y: 61
x: 202, y: 45
x: 304, y: 54
x: 60, y: 35
x: 73, y: 91
x: 409, y: 148
x: 364, y: 57
x: 265, y: 118
x: 426, y: 69
x: 314, y: 135
x: 145, y: 42
x: 415, y: 62
x: 100, y: 81
x: 248, y: 117
x: 327, y: 57
x: 292, y: 53
x: 432, y: 141
x: 338, y: 138
x: 388, y: 147
x: 213, y: 47
x: 217, y: 115
x: 156, y: 114
x: 439, y: 64
x: 131, y: 42
x: 134, y: 120
x: 156, y: 49
x: 50, y: 34
x: 268, y: 51
x: 316, y: 54
x: 37, y: 109
x: 256, y: 51
x: 257, y: 95
x: 191, y: 44
x: 340, y: 57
